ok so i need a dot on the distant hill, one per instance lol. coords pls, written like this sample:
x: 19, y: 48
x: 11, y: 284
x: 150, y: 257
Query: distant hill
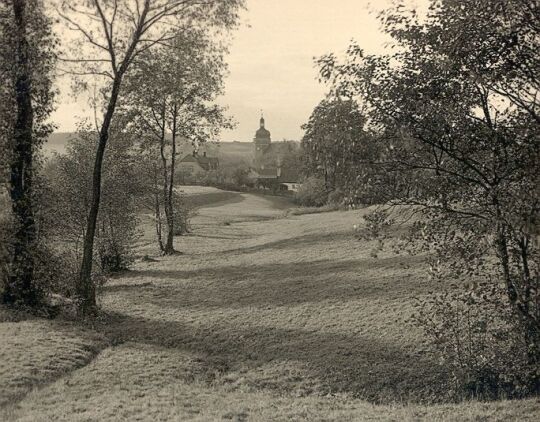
x: 233, y: 153
x: 58, y: 140
x: 229, y: 150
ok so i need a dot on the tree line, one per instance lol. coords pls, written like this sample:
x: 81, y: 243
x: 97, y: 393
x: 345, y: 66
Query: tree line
x: 443, y: 132
x: 152, y: 69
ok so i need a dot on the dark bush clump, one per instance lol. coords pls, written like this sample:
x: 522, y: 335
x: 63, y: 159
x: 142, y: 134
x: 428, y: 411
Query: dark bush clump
x: 312, y: 193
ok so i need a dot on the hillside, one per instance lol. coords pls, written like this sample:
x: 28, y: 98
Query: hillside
x: 231, y: 154
x: 262, y: 317
x: 232, y: 150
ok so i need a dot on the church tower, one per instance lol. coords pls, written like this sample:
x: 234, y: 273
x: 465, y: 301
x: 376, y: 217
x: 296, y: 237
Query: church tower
x: 262, y: 143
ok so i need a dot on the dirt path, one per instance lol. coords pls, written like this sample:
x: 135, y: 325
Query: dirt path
x: 260, y: 318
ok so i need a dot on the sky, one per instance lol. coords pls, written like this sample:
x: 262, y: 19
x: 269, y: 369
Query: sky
x: 271, y: 65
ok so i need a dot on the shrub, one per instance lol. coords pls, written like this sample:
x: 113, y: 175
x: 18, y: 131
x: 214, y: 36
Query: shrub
x: 184, y: 212
x: 312, y: 193
x: 115, y: 254
x: 336, y: 197
x: 480, y: 341
x: 56, y: 271
x: 67, y: 192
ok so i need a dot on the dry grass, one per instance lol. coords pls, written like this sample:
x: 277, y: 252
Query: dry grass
x: 314, y: 210
x: 261, y: 318
x: 214, y: 197
x: 34, y: 351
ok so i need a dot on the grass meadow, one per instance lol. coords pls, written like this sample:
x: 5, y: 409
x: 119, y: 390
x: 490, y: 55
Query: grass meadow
x: 265, y: 315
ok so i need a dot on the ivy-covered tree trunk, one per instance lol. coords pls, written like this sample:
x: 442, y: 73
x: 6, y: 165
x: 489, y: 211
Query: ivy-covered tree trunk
x: 20, y: 287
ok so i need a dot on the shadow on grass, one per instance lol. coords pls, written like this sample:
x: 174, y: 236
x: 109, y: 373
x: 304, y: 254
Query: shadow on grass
x: 207, y: 236
x: 213, y: 199
x: 275, y: 284
x: 298, y: 242
x: 366, y: 367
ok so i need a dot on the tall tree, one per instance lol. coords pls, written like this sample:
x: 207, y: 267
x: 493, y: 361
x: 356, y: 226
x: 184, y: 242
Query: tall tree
x: 339, y: 149
x: 69, y: 177
x: 457, y: 107
x: 115, y: 33
x: 27, y: 61
x: 176, y: 105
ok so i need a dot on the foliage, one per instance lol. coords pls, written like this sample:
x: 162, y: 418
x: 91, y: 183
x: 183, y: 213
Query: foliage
x: 184, y: 212
x: 42, y: 45
x: 474, y: 332
x: 338, y: 148
x: 188, y: 76
x: 27, y: 59
x: 240, y: 177
x: 69, y: 185
x: 312, y: 193
x: 454, y: 109
x: 283, y: 153
x: 336, y: 197
x: 56, y: 271
x: 115, y: 34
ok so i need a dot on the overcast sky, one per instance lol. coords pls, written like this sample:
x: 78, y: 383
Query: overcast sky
x: 271, y: 62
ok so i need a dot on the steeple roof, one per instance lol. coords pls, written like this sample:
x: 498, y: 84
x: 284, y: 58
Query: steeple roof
x: 262, y: 132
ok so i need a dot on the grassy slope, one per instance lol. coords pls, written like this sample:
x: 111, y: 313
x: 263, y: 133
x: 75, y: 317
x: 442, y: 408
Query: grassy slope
x: 199, y: 196
x: 35, y: 351
x: 261, y: 319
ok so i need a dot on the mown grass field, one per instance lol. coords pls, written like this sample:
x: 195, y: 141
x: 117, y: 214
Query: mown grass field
x: 262, y: 317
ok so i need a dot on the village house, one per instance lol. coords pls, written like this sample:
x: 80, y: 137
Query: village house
x: 195, y: 167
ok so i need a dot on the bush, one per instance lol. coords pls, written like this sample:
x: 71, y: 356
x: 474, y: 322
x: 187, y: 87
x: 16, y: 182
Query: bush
x: 481, y: 343
x: 336, y: 197
x: 312, y: 193
x: 56, y: 271
x: 184, y: 212
x: 115, y: 255
x: 67, y: 192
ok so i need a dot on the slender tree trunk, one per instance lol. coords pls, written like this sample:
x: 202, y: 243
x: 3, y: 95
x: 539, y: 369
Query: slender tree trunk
x: 169, y: 248
x: 20, y: 287
x: 157, y: 210
x: 518, y: 296
x: 503, y: 255
x: 85, y: 289
x: 529, y: 307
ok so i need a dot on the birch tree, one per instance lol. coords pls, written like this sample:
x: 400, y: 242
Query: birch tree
x: 109, y: 36
x: 176, y: 105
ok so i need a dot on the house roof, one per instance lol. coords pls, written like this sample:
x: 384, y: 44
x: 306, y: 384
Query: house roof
x: 287, y: 174
x: 207, y: 163
x: 262, y: 133
x: 189, y: 158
